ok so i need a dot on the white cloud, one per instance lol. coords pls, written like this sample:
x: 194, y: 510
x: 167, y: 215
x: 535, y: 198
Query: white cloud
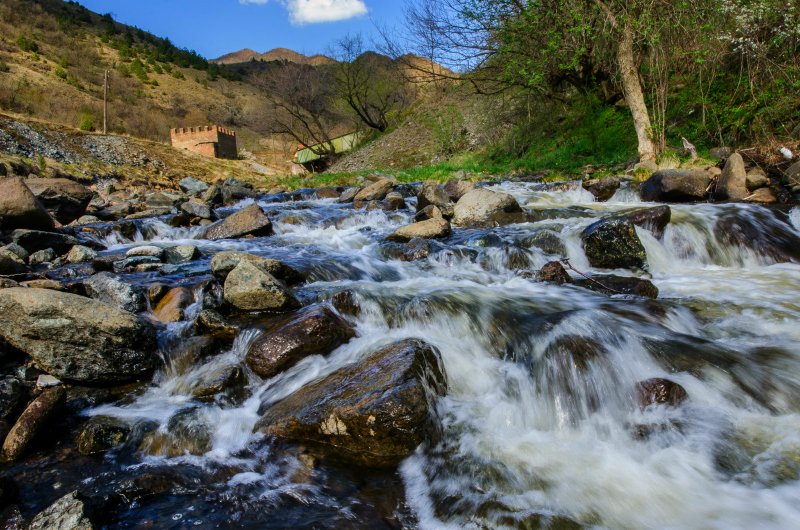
x: 314, y: 11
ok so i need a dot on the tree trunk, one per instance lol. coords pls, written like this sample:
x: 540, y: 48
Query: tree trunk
x: 633, y: 93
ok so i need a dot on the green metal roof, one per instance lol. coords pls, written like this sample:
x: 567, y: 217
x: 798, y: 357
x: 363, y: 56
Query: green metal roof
x: 340, y: 145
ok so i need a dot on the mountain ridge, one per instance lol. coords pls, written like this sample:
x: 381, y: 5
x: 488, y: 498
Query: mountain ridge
x: 276, y: 54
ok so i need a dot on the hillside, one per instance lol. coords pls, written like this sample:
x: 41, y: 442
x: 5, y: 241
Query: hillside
x: 278, y: 54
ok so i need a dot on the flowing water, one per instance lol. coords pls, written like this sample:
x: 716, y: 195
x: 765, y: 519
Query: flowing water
x: 536, y: 432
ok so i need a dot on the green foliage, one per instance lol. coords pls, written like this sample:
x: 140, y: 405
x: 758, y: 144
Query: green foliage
x: 42, y: 162
x: 4, y: 67
x: 63, y: 62
x: 26, y: 45
x: 60, y: 72
x: 177, y: 74
x: 139, y: 70
x: 168, y: 68
x: 87, y: 124
x: 157, y: 69
x: 123, y: 70
x: 447, y: 129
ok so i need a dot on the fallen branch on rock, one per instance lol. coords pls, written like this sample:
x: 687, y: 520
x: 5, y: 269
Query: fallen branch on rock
x: 566, y: 261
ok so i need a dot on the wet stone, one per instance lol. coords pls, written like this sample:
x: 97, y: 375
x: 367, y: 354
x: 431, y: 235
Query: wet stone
x: 42, y: 256
x: 554, y: 272
x: 228, y: 378
x: 659, y: 391
x: 11, y: 397
x: 181, y: 254
x: 653, y: 219
x: 172, y: 305
x: 417, y: 248
x: 612, y: 243
x: 71, y: 512
x: 547, y: 241
x: 214, y: 324
x: 37, y: 417
x: 101, y: 434
x: 156, y: 292
x: 620, y: 284
x: 250, y: 287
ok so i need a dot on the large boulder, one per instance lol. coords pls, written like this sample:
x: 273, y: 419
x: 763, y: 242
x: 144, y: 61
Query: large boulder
x: 430, y: 193
x: 376, y: 191
x: 76, y: 338
x: 192, y: 186
x: 36, y: 240
x: 19, y: 208
x: 456, y: 189
x: 612, y: 243
x: 199, y: 209
x: 675, y: 185
x: 106, y: 288
x: 33, y: 421
x: 766, y: 232
x: 65, y: 199
x: 11, y: 264
x: 485, y: 208
x: 250, y: 221
x: 732, y: 183
x: 250, y: 287
x: 374, y: 412
x: 431, y: 229
x: 317, y: 331
x: 602, y: 189
x: 653, y: 219
x: 224, y: 262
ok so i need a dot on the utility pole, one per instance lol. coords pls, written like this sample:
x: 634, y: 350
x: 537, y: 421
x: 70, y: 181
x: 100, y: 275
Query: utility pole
x: 105, y: 101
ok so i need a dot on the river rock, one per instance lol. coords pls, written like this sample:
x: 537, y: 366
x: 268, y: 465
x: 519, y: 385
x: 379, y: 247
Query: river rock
x: 145, y: 250
x: 164, y: 199
x: 762, y: 196
x: 374, y: 412
x: 214, y: 324
x: 317, y: 331
x: 602, y: 189
x: 431, y: 229
x: 675, y: 185
x: 235, y: 191
x: 546, y: 240
x: 213, y: 195
x: 767, y: 233
x: 80, y: 254
x: 76, y: 338
x: 395, y: 200
x: 620, y: 284
x: 11, y: 264
x: 192, y: 186
x: 378, y: 205
x: 430, y: 193
x: 376, y: 191
x: 554, y: 272
x: 20, y: 252
x: 349, y: 194
x: 247, y: 221
x: 35, y: 240
x: 660, y: 391
x: 756, y: 178
x: 115, y: 212
x: 181, y: 254
x: 32, y: 421
x: 172, y: 305
x: 66, y: 200
x: 7, y: 283
x: 732, y: 183
x: 612, y: 243
x: 227, y: 378
x: 716, y: 153
x: 46, y: 284
x: 484, y: 208
x: 42, y: 256
x: 250, y: 287
x: 224, y: 262
x: 327, y: 193
x: 199, y: 209
x: 417, y: 248
x: 429, y: 212
x: 456, y: 189
x: 10, y: 397
x: 653, y: 219
x: 19, y: 208
x: 107, y: 288
x: 70, y: 512
x: 102, y: 433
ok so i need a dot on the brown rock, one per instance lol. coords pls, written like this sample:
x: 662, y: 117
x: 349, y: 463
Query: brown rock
x: 375, y: 412
x: 429, y: 212
x: 36, y: 416
x: 675, y: 185
x: 327, y: 193
x: 223, y: 379
x: 101, y: 434
x: 170, y: 308
x: 247, y: 221
x: 660, y: 391
x: 484, y: 208
x: 554, y: 272
x: 456, y: 189
x: 19, y: 208
x: 602, y: 189
x: 376, y: 191
x: 349, y: 194
x: 430, y: 229
x: 46, y: 284
x: 224, y: 262
x: 211, y: 322
x: 250, y: 287
x: 431, y: 193
x: 317, y: 331
x: 732, y: 184
x: 653, y: 219
x: 65, y: 199
x: 756, y: 178
x: 417, y: 248
x: 762, y: 196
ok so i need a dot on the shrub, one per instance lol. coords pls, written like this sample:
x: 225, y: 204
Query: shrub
x: 60, y: 72
x: 27, y: 45
x: 4, y: 66
x: 157, y: 69
x: 42, y: 162
x: 87, y: 124
x: 63, y: 62
x: 123, y: 70
x: 177, y: 74
x: 168, y: 68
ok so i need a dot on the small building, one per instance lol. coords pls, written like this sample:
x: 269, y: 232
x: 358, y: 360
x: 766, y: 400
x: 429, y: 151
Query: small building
x: 213, y: 141
x: 306, y: 159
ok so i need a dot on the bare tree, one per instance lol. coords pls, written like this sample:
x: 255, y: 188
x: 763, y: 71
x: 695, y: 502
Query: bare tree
x: 302, y: 105
x: 367, y: 82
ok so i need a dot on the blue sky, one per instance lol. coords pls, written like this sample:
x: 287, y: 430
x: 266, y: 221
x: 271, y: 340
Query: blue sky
x: 216, y: 27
